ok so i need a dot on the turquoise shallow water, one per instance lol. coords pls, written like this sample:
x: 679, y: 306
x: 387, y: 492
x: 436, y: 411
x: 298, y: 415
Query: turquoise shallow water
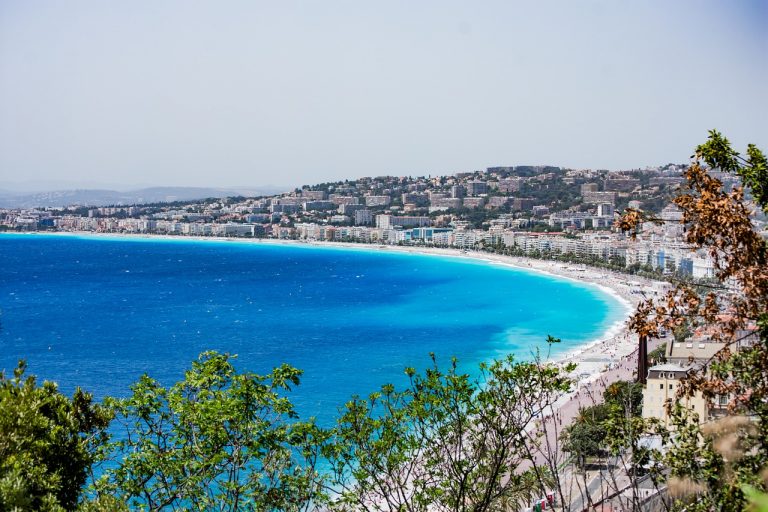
x: 98, y: 312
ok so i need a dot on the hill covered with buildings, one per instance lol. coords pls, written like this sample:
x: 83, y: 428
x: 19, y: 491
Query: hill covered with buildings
x: 539, y: 211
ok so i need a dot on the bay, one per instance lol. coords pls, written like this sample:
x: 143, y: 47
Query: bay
x: 97, y: 312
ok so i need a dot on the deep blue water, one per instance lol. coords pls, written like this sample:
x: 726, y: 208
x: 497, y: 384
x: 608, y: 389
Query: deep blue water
x: 98, y: 312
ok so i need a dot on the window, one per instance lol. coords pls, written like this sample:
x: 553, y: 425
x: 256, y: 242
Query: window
x: 671, y: 386
x: 661, y: 386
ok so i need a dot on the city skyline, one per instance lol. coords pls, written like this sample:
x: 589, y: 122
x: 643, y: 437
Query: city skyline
x: 257, y: 94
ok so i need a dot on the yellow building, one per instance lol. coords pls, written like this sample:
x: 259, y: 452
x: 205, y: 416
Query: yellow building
x: 682, y: 358
x: 663, y: 381
x: 661, y: 388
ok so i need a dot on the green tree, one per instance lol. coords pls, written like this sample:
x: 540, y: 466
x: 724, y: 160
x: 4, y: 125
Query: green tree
x: 584, y: 438
x: 219, y: 439
x: 625, y: 395
x: 446, y: 441
x: 48, y: 443
x: 681, y: 333
x: 658, y: 355
x: 588, y: 435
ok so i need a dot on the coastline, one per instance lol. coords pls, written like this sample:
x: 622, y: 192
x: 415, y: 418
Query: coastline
x: 609, y: 358
x: 593, y: 358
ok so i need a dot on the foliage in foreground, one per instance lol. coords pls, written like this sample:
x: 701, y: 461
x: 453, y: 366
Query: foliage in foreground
x: 48, y: 443
x: 225, y: 440
x: 219, y: 439
x: 448, y: 442
x: 230, y: 441
x: 713, y: 464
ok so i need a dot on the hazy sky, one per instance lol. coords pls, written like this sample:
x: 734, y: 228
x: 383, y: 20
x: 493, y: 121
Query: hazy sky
x: 252, y: 93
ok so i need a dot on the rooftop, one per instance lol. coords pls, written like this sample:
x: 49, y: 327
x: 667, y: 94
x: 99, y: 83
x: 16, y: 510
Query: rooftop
x: 667, y: 367
x: 693, y: 350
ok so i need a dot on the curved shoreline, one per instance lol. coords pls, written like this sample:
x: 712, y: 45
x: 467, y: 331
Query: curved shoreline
x: 598, y: 363
x: 593, y: 358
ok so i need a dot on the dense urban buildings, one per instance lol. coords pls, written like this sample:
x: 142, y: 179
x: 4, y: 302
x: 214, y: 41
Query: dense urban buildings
x: 538, y: 211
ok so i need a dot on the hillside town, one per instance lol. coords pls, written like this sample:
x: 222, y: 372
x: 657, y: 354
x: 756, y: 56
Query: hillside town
x: 383, y: 256
x: 544, y: 213
x: 537, y: 211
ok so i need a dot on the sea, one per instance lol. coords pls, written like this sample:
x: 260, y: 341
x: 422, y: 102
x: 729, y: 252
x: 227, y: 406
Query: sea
x: 99, y: 311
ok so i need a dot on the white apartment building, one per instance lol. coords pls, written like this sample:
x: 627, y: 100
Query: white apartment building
x: 377, y: 200
x: 390, y: 221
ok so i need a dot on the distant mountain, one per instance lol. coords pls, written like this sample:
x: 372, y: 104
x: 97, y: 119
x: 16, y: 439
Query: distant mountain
x: 28, y: 187
x: 98, y: 197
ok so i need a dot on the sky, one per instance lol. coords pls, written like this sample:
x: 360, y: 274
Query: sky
x: 250, y: 93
